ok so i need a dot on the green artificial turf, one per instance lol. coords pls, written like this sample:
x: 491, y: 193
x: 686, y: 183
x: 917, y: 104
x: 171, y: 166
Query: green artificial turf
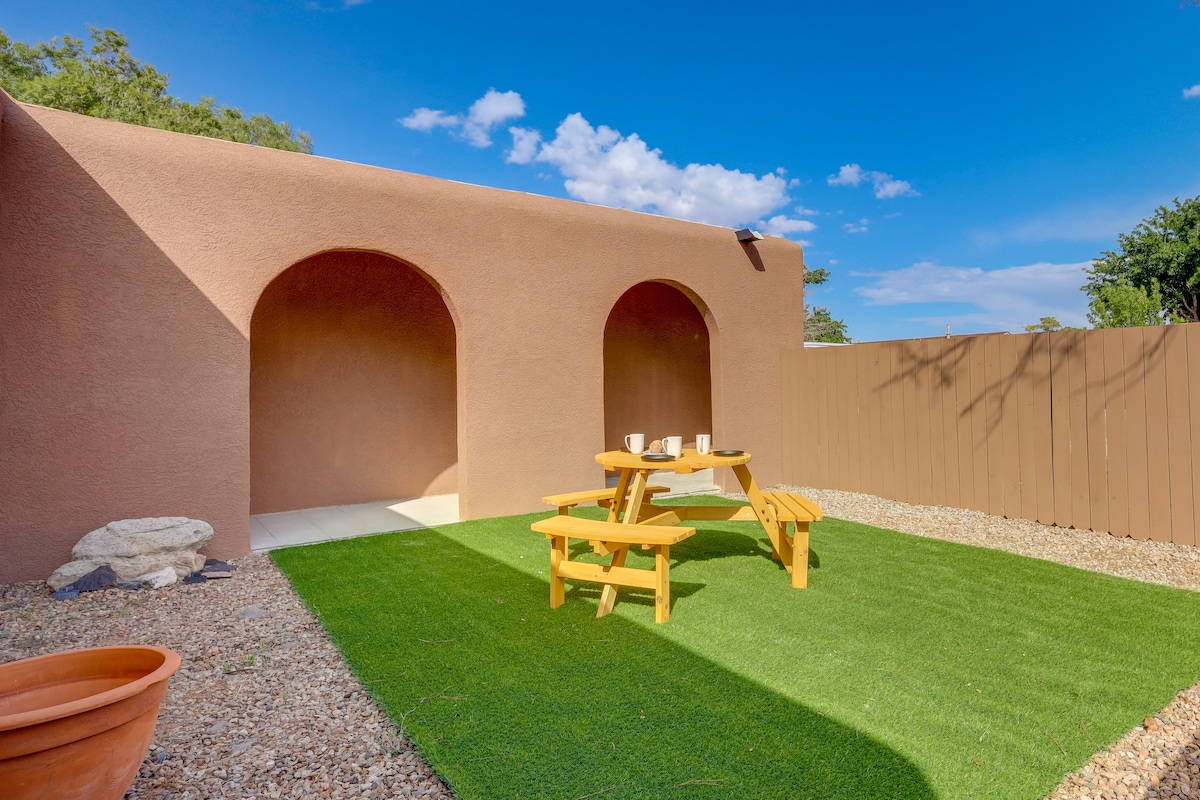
x: 911, y: 667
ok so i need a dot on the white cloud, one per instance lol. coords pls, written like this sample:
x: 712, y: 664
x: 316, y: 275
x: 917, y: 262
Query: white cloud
x: 484, y: 114
x: 862, y: 226
x: 525, y: 145
x: 886, y: 187
x: 801, y: 211
x: 426, y: 119
x: 603, y: 166
x: 1191, y: 92
x: 782, y: 225
x: 848, y: 175
x: 1006, y: 299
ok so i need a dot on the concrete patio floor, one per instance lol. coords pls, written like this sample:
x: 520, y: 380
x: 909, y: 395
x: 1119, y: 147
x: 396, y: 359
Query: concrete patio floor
x: 312, y: 525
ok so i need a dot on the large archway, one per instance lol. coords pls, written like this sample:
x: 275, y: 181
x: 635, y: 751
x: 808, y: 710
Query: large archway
x: 353, y: 386
x: 657, y: 373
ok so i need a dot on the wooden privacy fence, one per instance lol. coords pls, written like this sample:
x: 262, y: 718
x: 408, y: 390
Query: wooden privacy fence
x: 1086, y: 429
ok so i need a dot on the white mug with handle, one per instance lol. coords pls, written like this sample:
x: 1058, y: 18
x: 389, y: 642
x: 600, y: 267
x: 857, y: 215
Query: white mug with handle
x: 636, y: 442
x: 703, y: 443
x: 673, y: 445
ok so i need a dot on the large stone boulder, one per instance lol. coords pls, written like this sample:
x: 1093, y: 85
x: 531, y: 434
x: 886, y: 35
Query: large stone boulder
x: 137, y: 548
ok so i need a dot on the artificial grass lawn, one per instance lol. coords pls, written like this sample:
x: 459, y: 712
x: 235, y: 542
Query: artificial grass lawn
x: 911, y: 667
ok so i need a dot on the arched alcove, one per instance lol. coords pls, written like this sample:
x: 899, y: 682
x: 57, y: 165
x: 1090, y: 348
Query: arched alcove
x: 657, y: 375
x: 353, y: 385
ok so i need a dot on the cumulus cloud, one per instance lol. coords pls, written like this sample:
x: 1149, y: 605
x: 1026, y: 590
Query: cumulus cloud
x: 525, y: 145
x: 1004, y: 299
x: 1191, y: 92
x: 782, y: 225
x: 862, y: 226
x: 475, y: 126
x: 603, y: 166
x: 886, y: 187
x: 426, y: 119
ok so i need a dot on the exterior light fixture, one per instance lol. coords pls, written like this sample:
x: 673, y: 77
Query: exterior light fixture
x: 746, y: 235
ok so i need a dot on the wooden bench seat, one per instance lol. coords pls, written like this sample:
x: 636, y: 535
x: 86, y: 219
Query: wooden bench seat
x: 800, y: 511
x: 603, y: 497
x: 613, y: 538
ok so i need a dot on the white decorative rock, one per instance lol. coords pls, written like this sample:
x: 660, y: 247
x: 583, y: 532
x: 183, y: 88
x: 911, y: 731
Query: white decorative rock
x: 138, y: 547
x: 157, y: 580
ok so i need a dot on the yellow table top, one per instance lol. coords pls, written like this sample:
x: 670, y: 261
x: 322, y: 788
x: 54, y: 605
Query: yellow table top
x: 689, y: 461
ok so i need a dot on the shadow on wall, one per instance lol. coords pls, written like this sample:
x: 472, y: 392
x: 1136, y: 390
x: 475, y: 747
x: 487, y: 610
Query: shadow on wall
x: 123, y: 384
x: 657, y: 377
x: 353, y: 386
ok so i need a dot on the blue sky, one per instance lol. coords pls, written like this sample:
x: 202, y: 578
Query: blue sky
x: 948, y: 162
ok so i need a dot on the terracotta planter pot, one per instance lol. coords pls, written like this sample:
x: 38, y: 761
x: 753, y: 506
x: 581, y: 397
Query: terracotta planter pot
x: 77, y: 724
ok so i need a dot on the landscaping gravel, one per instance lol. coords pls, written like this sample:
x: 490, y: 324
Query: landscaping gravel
x: 264, y: 706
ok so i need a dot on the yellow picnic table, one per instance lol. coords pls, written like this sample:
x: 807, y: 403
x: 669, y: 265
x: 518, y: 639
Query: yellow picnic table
x: 632, y: 520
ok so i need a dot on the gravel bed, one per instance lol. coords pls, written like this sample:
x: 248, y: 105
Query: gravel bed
x: 261, y: 707
x: 265, y: 707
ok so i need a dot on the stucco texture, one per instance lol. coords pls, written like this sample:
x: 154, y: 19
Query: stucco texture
x: 137, y: 378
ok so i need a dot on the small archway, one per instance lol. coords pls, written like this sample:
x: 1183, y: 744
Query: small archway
x: 353, y: 385
x: 657, y: 366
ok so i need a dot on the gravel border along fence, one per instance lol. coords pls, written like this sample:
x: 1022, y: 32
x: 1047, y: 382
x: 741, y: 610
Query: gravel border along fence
x: 264, y: 706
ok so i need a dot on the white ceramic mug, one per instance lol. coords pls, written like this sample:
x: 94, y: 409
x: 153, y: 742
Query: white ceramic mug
x: 636, y: 442
x: 673, y: 445
x: 703, y: 443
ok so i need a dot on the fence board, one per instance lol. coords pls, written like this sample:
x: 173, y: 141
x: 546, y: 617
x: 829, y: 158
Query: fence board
x: 883, y: 454
x: 1097, y: 441
x: 1157, y: 464
x: 819, y: 364
x: 949, y: 373
x: 1010, y: 468
x: 937, y: 431
x: 1043, y: 427
x: 1193, y: 371
x: 965, y: 463
x: 1027, y: 445
x: 908, y: 390
x: 994, y: 424
x: 853, y: 434
x: 1134, y: 376
x: 1179, y: 434
x: 1115, y: 430
x: 976, y: 404
x: 1081, y: 516
x: 1060, y: 426
x: 924, y: 378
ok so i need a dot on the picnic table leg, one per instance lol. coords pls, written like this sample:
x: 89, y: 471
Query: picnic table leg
x: 637, y: 493
x: 800, y: 556
x: 618, y: 503
x: 776, y: 532
x: 558, y: 586
x: 662, y: 583
x: 608, y: 596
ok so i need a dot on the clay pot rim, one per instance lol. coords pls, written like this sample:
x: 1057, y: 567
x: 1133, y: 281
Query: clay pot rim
x: 171, y: 663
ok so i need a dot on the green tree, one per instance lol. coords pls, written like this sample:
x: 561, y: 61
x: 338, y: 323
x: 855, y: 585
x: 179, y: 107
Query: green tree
x: 1123, y: 305
x: 1045, y: 325
x: 819, y: 324
x: 106, y: 81
x: 1161, y: 257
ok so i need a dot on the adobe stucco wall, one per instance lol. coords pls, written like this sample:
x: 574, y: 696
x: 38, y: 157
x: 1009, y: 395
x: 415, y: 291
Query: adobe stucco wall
x: 132, y: 260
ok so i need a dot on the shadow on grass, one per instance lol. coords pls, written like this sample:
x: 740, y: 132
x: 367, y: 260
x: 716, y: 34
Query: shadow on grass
x: 508, y: 699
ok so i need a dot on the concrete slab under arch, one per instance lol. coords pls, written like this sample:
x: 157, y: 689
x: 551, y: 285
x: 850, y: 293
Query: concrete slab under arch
x: 325, y: 524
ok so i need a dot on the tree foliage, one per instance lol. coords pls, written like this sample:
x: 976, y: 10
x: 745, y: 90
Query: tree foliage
x: 819, y: 324
x: 1045, y: 325
x: 1123, y: 305
x: 106, y: 81
x: 1159, y: 258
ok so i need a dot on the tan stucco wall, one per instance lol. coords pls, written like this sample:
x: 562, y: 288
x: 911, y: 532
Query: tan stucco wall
x: 132, y: 260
